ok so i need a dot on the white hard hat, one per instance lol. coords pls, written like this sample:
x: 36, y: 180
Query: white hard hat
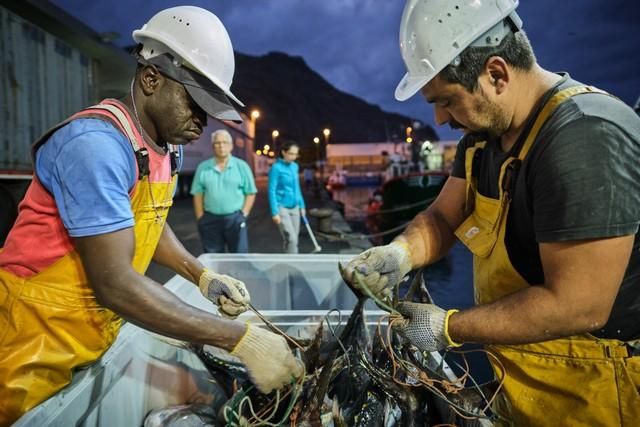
x: 195, y: 40
x: 434, y: 32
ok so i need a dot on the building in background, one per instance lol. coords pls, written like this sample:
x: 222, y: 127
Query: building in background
x: 52, y: 66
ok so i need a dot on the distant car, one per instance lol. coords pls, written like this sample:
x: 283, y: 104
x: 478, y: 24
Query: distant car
x: 399, y: 200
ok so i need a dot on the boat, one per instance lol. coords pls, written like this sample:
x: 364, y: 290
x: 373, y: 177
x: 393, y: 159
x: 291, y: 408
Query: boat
x: 399, y: 200
x: 337, y: 180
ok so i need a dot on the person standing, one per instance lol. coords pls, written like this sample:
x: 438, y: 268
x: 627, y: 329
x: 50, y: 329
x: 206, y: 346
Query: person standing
x: 545, y: 192
x: 308, y: 175
x: 285, y: 198
x: 223, y: 191
x: 95, y: 216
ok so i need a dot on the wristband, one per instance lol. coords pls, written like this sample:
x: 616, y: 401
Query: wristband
x: 446, y: 328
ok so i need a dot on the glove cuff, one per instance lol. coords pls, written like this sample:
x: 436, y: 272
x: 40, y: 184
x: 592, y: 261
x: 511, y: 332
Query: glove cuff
x: 401, y: 248
x: 450, y: 342
x: 242, y: 338
x: 249, y: 345
x: 203, y: 282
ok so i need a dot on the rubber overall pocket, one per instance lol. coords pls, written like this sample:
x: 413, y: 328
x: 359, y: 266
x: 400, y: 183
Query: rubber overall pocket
x: 479, y: 232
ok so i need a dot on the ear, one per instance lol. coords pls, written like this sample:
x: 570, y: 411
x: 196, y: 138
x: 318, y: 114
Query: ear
x: 150, y: 79
x: 498, y: 73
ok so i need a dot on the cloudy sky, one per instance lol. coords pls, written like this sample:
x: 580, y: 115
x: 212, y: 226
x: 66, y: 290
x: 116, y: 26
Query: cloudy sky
x: 354, y: 43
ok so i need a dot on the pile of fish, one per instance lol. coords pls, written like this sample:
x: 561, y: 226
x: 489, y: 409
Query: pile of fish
x: 352, y: 378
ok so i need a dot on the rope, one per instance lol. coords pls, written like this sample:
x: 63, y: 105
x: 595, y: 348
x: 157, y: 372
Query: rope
x: 360, y: 236
x: 398, y: 209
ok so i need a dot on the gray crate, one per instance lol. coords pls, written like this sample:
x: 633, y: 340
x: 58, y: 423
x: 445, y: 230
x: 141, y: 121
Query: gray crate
x: 141, y: 372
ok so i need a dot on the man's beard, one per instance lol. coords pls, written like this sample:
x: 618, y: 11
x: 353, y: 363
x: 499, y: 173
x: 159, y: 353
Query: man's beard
x: 491, y: 119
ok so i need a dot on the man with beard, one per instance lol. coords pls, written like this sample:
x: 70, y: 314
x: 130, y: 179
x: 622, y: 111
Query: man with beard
x: 94, y: 218
x: 545, y: 192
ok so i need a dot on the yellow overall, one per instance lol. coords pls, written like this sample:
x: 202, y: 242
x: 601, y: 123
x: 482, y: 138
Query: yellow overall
x: 51, y: 323
x: 574, y: 381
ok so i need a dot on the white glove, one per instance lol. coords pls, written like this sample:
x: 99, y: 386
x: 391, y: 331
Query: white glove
x: 425, y: 326
x: 229, y: 294
x: 380, y: 268
x: 268, y: 359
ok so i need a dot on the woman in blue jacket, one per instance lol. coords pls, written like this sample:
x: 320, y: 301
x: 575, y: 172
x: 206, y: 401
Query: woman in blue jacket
x: 285, y: 197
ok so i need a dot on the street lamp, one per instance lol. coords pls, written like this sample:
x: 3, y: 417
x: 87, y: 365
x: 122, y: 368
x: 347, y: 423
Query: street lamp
x: 251, y: 129
x: 326, y: 132
x: 316, y: 141
x: 274, y: 137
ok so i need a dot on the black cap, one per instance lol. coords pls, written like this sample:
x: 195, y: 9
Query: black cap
x: 204, y: 92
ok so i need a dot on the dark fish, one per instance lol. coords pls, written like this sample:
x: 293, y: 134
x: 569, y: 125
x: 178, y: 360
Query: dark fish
x: 372, y: 412
x: 192, y: 415
x: 223, y: 370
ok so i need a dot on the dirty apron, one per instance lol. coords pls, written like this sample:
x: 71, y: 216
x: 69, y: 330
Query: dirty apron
x: 574, y: 381
x: 51, y: 323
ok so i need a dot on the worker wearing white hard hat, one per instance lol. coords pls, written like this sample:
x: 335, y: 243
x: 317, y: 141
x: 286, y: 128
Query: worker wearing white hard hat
x: 191, y: 46
x: 95, y: 216
x: 545, y: 192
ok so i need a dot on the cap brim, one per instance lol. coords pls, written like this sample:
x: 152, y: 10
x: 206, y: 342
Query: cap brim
x: 209, y: 97
x: 204, y: 92
x: 215, y: 104
x: 409, y: 85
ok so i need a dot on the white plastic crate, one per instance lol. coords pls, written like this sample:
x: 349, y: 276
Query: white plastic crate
x: 141, y: 372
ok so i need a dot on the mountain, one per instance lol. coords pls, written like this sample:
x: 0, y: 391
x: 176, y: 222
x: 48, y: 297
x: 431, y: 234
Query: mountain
x: 300, y: 103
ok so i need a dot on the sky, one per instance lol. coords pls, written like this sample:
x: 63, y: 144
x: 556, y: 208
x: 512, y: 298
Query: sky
x: 354, y: 44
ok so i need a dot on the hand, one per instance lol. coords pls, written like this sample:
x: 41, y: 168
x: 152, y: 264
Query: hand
x: 424, y: 325
x: 303, y: 212
x: 268, y: 359
x: 276, y: 219
x: 229, y: 294
x: 380, y: 268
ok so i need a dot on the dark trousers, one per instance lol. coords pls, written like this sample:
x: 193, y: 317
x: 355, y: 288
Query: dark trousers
x: 224, y: 233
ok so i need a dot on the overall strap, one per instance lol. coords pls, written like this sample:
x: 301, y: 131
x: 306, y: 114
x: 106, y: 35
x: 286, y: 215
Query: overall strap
x: 511, y: 167
x: 548, y: 109
x: 115, y: 113
x: 124, y: 121
x: 174, y: 153
x: 472, y: 165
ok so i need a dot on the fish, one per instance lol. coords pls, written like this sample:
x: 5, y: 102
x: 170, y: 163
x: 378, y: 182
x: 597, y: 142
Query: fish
x: 191, y: 415
x: 349, y: 380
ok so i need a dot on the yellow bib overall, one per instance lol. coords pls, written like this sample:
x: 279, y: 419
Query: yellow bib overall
x: 573, y: 381
x: 50, y: 323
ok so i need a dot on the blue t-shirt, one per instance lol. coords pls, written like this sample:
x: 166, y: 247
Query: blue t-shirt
x: 284, y: 186
x: 224, y: 192
x: 89, y: 168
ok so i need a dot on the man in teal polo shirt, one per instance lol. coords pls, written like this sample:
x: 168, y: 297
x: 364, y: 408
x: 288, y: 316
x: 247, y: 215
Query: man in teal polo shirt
x: 223, y: 191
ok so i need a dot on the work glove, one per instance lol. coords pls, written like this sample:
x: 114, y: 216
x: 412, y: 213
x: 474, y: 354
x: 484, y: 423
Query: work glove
x: 229, y: 294
x: 424, y: 325
x: 380, y: 269
x: 268, y: 359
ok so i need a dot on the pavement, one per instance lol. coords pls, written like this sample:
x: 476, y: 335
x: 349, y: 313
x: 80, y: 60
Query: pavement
x: 264, y: 236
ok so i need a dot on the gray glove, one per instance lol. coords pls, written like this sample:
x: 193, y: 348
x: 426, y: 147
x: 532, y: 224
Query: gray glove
x: 380, y: 268
x: 425, y: 326
x: 268, y: 359
x: 229, y: 294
